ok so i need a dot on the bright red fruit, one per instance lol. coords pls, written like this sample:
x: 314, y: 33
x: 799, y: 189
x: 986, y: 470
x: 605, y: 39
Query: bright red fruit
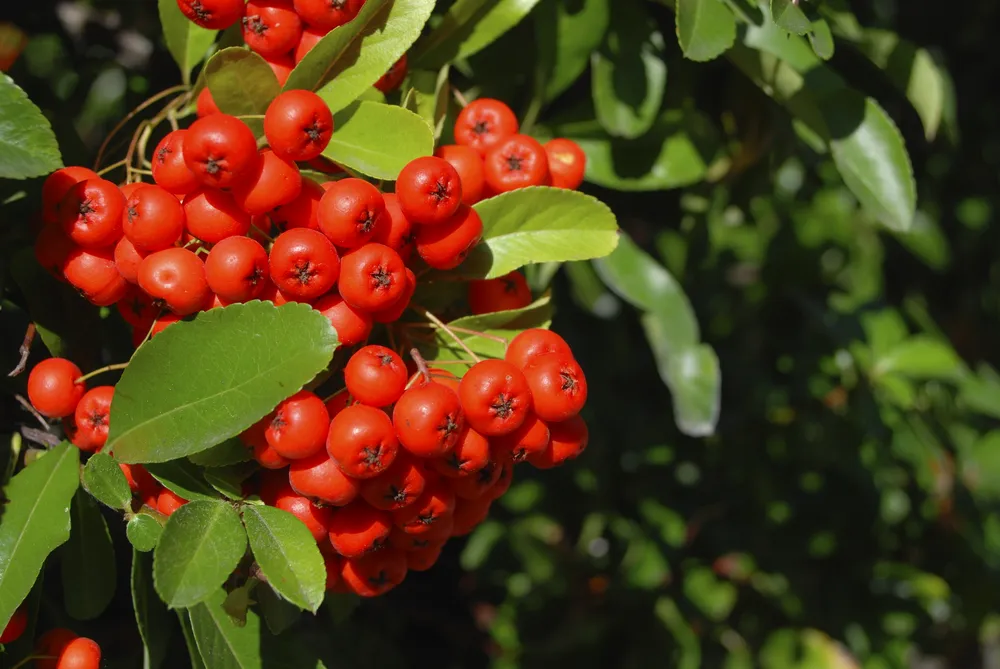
x: 205, y: 105
x: 213, y: 215
x: 91, y: 213
x: 315, y: 518
x: 396, y: 231
x: 153, y: 219
x: 52, y: 387
x: 504, y: 293
x: 298, y: 125
x: 56, y: 186
x: 469, y: 165
x: 428, y: 420
x: 558, y: 386
x: 394, y: 76
x: 436, y: 503
x: 275, y: 181
x: 495, y: 397
x: 569, y: 439
x: 351, y: 212
x: 91, y: 418
x: 302, y: 211
x: 352, y: 325
x: 324, y: 15
x: 298, y: 426
x: 236, y: 269
x: 375, y: 375
x: 176, y: 277
x: 471, y: 453
x: 517, y: 162
x: 271, y: 27
x: 319, y: 477
x: 94, y: 273
x: 375, y: 574
x: 429, y: 190
x: 484, y: 123
x: 212, y: 14
x: 372, y: 277
x: 398, y: 486
x: 530, y: 438
x: 358, y: 529
x: 534, y: 343
x: 362, y: 441
x: 304, y: 264
x: 445, y: 246
x: 220, y: 149
x: 567, y: 163
x: 169, y: 169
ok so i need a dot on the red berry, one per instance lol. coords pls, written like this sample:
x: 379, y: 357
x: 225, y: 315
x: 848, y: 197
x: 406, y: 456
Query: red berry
x: 472, y: 487
x: 495, y: 397
x: 236, y: 269
x: 304, y: 264
x: 505, y: 462
x: 310, y: 38
x: 275, y: 181
x: 372, y: 277
x: 558, y: 386
x: 429, y: 190
x: 220, y: 149
x: 91, y: 213
x: 394, y: 76
x: 282, y: 67
x: 176, y: 277
x: 271, y: 27
x: 534, y: 343
x: 302, y: 211
x: 352, y: 325
x: 315, y: 518
x: 15, y: 626
x: 212, y: 14
x: 153, y: 220
x: 298, y: 426
x: 91, y: 417
x: 362, y: 441
x: 94, y: 273
x: 469, y: 165
x: 213, y: 215
x: 168, y: 501
x: 396, y: 231
x: 435, y: 504
x: 298, y: 125
x: 530, y: 438
x: 445, y: 246
x: 375, y: 376
x: 351, y: 212
x: 52, y: 387
x: 358, y: 529
x: 319, y: 477
x: 205, y: 104
x: 52, y: 249
x: 516, y: 162
x: 428, y: 420
x: 424, y: 558
x: 57, y: 185
x: 484, y: 123
x: 375, y: 574
x: 569, y: 439
x: 471, y: 454
x: 324, y: 15
x: 398, y: 486
x: 469, y: 513
x: 504, y: 293
x: 392, y: 313
x: 567, y: 163
x: 169, y: 169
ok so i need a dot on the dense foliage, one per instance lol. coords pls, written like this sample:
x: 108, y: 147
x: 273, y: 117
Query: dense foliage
x: 793, y: 393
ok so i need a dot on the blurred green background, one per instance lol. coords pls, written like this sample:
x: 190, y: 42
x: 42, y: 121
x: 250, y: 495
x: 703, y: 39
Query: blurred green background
x: 844, y: 512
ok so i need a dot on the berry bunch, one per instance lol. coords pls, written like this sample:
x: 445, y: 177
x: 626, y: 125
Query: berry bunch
x: 406, y: 456
x: 282, y: 32
x: 58, y: 648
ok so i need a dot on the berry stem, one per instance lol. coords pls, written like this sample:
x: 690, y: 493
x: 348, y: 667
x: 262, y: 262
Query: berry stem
x: 132, y: 114
x: 25, y: 350
x: 106, y: 368
x: 444, y: 327
x: 476, y: 333
x: 31, y: 658
x: 421, y: 364
x: 459, y: 97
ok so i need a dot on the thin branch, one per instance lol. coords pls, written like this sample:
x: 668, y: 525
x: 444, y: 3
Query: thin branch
x: 106, y: 368
x: 459, y: 97
x: 421, y: 364
x: 40, y: 436
x: 25, y: 350
x: 27, y: 405
x: 477, y: 333
x: 451, y: 333
x: 131, y: 115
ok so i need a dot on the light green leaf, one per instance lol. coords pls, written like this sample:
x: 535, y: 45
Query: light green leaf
x: 569, y: 31
x: 241, y: 82
x: 821, y: 39
x: 153, y: 619
x: 184, y: 618
x: 467, y: 28
x: 382, y: 42
x: 87, y: 561
x: 629, y: 75
x: 28, y: 147
x: 104, y: 479
x: 705, y: 28
x: 378, y: 140
x: 287, y: 555
x: 187, y: 42
x: 183, y: 478
x: 428, y: 96
x: 143, y: 532
x: 36, y: 521
x: 539, y: 224
x: 676, y: 152
x: 920, y: 357
x: 786, y: 14
x: 709, y: 593
x: 200, y: 382
x: 278, y: 614
x: 200, y: 546
x: 230, y: 452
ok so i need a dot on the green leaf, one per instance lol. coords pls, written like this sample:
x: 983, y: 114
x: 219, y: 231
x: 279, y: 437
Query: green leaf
x: 183, y: 478
x: 705, y: 28
x: 676, y: 152
x: 153, y: 619
x: 980, y: 467
x: 539, y: 224
x: 143, y: 532
x: 378, y: 140
x: 184, y: 618
x: 287, y: 555
x: 200, y: 546
x: 629, y: 75
x: 241, y: 82
x: 200, y: 382
x: 104, y: 479
x: 568, y: 32
x: 382, y: 42
x: 187, y: 42
x: 920, y: 357
x: 821, y: 39
x: 87, y: 561
x: 787, y: 15
x: 230, y: 452
x: 36, y: 521
x: 688, y: 368
x: 712, y: 595
x: 28, y: 147
x: 428, y: 97
x: 506, y: 324
x: 467, y: 28
x: 277, y: 613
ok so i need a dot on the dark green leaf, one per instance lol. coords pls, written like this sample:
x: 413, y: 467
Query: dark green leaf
x: 87, y: 561
x: 705, y: 28
x: 153, y: 619
x: 712, y: 595
x: 200, y: 546
x: 287, y: 554
x: 629, y: 75
x: 318, y: 66
x: 241, y: 82
x: 539, y: 224
x: 468, y: 27
x: 183, y: 478
x: 104, y: 479
x: 143, y: 532
x: 229, y: 480
x: 184, y: 618
x: 570, y: 30
x: 28, y: 147
x: 382, y: 42
x: 821, y: 39
x: 277, y: 613
x: 378, y: 140
x: 201, y: 382
x: 187, y: 42
x: 36, y: 521
x: 229, y: 452
x: 786, y: 14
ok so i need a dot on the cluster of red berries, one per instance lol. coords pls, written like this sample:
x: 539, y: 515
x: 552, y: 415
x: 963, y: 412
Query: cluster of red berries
x: 58, y: 648
x: 282, y: 32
